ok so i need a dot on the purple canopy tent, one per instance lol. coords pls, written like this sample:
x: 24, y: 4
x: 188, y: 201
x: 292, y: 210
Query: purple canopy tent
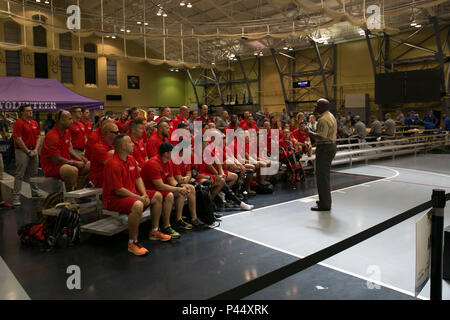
x: 41, y: 94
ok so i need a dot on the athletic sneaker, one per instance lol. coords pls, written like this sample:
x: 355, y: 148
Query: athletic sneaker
x: 172, y: 233
x: 158, y: 235
x: 16, y: 201
x: 245, y: 206
x: 198, y: 223
x: 5, y: 204
x: 137, y: 249
x: 183, y: 225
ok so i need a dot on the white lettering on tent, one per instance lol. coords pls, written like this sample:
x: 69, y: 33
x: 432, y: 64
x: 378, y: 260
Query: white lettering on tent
x: 73, y: 21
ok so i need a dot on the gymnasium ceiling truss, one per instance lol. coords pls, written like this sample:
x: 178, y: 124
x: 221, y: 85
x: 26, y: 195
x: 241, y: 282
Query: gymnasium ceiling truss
x: 224, y: 88
x: 209, y: 31
x: 318, y: 66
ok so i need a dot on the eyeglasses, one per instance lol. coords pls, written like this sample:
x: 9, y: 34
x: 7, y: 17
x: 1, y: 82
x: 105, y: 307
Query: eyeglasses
x: 115, y: 132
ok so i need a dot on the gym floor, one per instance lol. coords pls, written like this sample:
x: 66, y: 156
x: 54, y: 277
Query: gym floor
x: 280, y: 230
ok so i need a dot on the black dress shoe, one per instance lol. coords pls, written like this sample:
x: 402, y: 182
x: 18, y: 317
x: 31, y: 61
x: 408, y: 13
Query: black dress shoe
x: 317, y: 208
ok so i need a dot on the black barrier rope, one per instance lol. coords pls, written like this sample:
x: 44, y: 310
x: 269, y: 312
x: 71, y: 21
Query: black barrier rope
x: 270, y: 278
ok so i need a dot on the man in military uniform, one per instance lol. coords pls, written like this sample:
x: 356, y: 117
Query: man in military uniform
x: 325, y: 138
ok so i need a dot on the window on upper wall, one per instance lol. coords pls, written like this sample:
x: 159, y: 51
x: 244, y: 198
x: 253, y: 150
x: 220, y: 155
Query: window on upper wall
x: 12, y: 63
x: 11, y: 32
x: 111, y: 72
x: 90, y: 65
x: 65, y: 41
x: 39, y: 32
x: 66, y: 69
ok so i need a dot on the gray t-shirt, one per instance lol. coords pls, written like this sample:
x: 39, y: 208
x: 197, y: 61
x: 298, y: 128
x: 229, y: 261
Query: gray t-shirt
x: 376, y: 128
x: 400, y: 119
x: 346, y: 132
x: 222, y: 123
x: 360, y: 129
x: 390, y: 127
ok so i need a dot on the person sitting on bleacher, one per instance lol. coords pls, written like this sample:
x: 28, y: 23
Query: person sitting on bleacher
x: 95, y: 137
x: 446, y: 124
x: 77, y: 131
x: 375, y: 128
x: 121, y: 122
x: 399, y: 117
x: 85, y: 121
x: 430, y: 117
x: 303, y: 139
x: 389, y: 126
x: 160, y: 135
x: 412, y: 119
x: 124, y: 192
x: 347, y: 130
x: 136, y: 128
x: 58, y: 158
x: 360, y: 128
x: 157, y: 174
x: 104, y: 150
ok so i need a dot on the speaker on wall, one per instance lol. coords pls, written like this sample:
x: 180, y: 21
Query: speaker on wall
x: 114, y: 97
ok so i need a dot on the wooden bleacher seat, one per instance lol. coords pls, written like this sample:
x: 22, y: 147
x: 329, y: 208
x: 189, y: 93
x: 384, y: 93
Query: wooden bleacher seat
x: 112, y: 224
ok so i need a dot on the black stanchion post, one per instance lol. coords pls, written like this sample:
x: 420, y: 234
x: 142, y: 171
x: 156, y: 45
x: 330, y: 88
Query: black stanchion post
x: 437, y: 232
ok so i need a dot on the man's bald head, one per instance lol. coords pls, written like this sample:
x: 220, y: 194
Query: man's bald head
x: 64, y: 119
x: 109, y: 126
x: 322, y: 105
x: 184, y: 112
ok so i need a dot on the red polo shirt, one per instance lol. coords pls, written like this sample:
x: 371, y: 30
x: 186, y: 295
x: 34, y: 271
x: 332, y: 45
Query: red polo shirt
x: 174, y: 123
x: 97, y: 163
x: 77, y: 135
x: 203, y: 120
x: 121, y: 125
x: 28, y: 131
x: 245, y: 126
x: 55, y: 143
x: 119, y: 174
x: 153, y: 144
x: 181, y: 169
x: 300, y: 136
x: 93, y: 139
x: 139, y: 152
x: 231, y: 127
x: 155, y: 169
x: 87, y: 127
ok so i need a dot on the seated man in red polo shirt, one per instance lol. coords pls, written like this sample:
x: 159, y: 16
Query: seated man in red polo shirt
x: 157, y: 174
x: 104, y: 150
x: 58, y: 158
x: 139, y: 152
x: 160, y: 135
x: 85, y: 121
x: 124, y: 192
x: 77, y: 131
x: 203, y: 117
x: 249, y: 124
x: 95, y: 136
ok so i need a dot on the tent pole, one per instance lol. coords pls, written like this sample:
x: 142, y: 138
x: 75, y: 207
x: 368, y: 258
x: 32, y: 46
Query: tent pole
x: 103, y: 36
x: 24, y: 26
x: 145, y: 38
x: 124, y: 31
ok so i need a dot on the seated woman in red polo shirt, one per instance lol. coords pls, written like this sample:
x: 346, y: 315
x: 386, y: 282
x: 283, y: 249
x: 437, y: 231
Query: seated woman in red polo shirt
x: 157, y: 174
x: 58, y: 159
x: 124, y: 192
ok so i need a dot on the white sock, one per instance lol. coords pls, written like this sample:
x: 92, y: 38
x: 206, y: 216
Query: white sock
x: 154, y: 230
x: 130, y: 241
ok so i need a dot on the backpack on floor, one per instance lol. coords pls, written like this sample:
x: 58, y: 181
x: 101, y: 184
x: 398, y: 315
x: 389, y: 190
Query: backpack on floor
x: 204, y: 204
x: 65, y: 231
x: 33, y: 234
x: 49, y: 202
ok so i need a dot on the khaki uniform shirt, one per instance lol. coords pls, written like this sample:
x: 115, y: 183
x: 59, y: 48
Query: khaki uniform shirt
x: 327, y: 127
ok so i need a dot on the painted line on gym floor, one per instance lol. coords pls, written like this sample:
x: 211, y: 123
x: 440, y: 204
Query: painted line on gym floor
x: 324, y: 264
x: 11, y: 289
x: 314, y: 197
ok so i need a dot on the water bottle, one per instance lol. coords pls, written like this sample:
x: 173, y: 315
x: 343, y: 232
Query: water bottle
x: 245, y: 194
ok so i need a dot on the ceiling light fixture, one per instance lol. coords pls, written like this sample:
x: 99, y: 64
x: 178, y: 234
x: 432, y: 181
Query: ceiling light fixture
x: 418, y: 25
x: 113, y: 37
x: 182, y: 4
x: 255, y: 54
x: 164, y: 14
x: 128, y: 30
x: 292, y: 49
x: 189, y: 5
x: 38, y: 0
x: 159, y: 13
x: 261, y: 54
x: 285, y: 48
x: 139, y: 22
x: 47, y: 2
x: 122, y: 29
x: 145, y: 23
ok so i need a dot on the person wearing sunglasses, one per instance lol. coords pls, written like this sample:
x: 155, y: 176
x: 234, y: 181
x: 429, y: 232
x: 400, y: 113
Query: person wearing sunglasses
x: 104, y: 150
x: 77, y: 131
